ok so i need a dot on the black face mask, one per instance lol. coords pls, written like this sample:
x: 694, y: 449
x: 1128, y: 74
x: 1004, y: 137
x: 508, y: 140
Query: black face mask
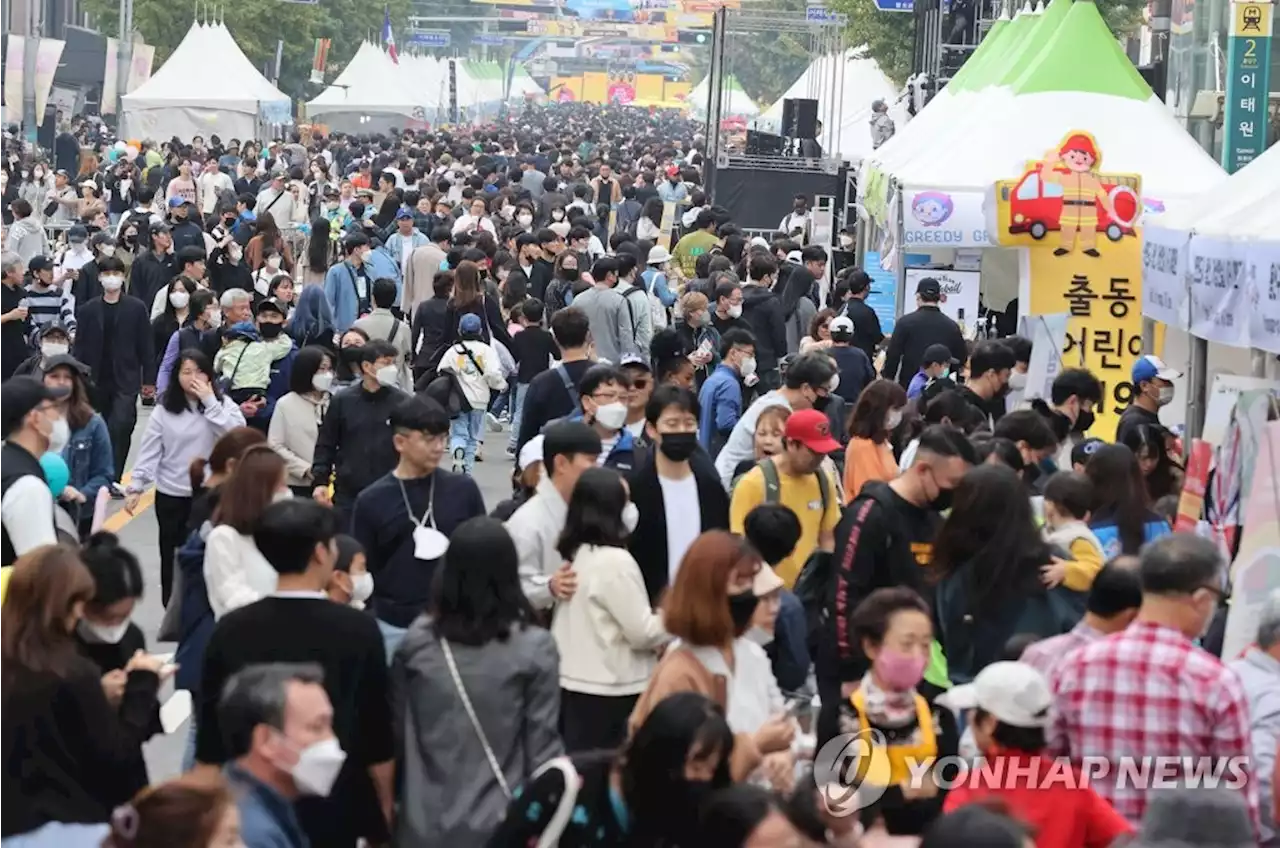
x: 678, y: 447
x: 741, y: 607
x: 351, y: 356
x: 1083, y: 421
x: 270, y: 331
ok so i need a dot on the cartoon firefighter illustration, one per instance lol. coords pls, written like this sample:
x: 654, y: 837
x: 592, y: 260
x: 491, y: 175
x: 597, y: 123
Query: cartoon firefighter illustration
x: 1082, y: 192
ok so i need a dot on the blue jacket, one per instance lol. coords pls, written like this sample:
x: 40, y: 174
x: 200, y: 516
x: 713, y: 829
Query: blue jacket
x: 278, y: 386
x: 89, y: 458
x: 395, y: 245
x: 623, y: 455
x: 1108, y: 533
x: 382, y: 264
x: 721, y: 402
x: 655, y: 281
x: 340, y: 291
x: 267, y: 818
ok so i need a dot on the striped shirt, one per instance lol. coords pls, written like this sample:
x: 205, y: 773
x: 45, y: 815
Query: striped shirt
x: 54, y: 305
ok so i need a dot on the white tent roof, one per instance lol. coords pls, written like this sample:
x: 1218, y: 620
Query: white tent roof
x: 207, y: 70
x: 370, y: 84
x: 428, y: 78
x: 1240, y: 208
x: 737, y: 101
x: 858, y: 82
x: 974, y: 138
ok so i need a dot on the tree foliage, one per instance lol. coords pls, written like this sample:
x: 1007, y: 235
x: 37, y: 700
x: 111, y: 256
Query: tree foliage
x: 890, y: 36
x: 257, y: 24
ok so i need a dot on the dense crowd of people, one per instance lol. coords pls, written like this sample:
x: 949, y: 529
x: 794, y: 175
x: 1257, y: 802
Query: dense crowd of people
x: 745, y: 527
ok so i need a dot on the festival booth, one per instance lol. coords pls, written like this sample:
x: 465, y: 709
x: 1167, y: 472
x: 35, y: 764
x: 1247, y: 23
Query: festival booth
x: 184, y: 99
x: 854, y: 81
x: 974, y: 186
x: 369, y: 96
x: 427, y: 78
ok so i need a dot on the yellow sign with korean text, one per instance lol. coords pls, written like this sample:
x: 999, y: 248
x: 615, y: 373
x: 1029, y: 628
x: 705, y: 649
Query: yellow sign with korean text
x: 1103, y: 297
x: 1251, y: 19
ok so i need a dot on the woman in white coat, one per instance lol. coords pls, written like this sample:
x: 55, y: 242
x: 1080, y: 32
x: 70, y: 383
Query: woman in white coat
x: 607, y: 633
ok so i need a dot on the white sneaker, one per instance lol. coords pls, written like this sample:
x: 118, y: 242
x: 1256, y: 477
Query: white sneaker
x: 494, y: 422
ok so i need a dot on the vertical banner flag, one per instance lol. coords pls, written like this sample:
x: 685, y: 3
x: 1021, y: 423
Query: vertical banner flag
x: 1048, y: 337
x: 140, y: 67
x: 1255, y: 574
x: 389, y: 40
x: 111, y: 77
x: 47, y: 56
x: 1086, y: 260
x: 318, y: 59
x: 14, y: 65
x: 1244, y: 123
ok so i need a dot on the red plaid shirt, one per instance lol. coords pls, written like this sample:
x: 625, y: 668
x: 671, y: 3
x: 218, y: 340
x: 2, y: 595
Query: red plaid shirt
x: 1148, y: 692
x: 1046, y: 655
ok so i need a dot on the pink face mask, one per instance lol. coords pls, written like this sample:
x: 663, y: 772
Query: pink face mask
x: 897, y: 671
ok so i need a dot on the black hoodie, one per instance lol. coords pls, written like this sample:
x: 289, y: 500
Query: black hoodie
x: 762, y: 310
x: 881, y: 541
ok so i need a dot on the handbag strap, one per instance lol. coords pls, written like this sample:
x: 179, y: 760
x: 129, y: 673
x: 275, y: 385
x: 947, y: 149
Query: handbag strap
x: 475, y: 720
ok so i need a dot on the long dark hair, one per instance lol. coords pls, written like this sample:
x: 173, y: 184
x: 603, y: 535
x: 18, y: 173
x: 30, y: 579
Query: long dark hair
x: 250, y: 489
x: 991, y: 536
x: 595, y: 512
x: 663, y: 812
x: 170, y: 314
x: 319, y: 246
x: 653, y: 210
x: 175, y: 400
x: 225, y: 451
x: 1151, y: 439
x: 265, y: 226
x: 478, y: 598
x: 1119, y: 493
x: 46, y: 584
x: 79, y: 410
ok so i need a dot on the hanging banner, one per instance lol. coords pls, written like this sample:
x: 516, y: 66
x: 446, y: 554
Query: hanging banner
x: 1085, y: 260
x: 1217, y: 295
x: 944, y: 219
x: 1263, y: 273
x: 1255, y: 574
x: 1164, y: 275
x: 959, y: 293
x: 1244, y: 123
x: 319, y: 57
x: 1195, y: 482
x: 1048, y: 335
x: 47, y: 56
x: 14, y: 64
x: 110, y: 77
x: 140, y: 67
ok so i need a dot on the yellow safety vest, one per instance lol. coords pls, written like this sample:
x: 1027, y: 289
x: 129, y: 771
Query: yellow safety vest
x: 888, y: 763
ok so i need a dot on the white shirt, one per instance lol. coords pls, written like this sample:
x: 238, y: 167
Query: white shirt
x: 742, y: 440
x: 27, y: 513
x: 467, y: 223
x: 752, y: 690
x: 684, y: 518
x: 606, y: 448
x: 235, y: 572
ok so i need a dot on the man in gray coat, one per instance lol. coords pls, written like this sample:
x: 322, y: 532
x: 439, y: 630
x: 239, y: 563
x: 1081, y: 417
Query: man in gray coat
x: 608, y: 314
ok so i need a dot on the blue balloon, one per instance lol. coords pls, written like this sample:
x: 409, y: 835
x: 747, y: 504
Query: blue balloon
x: 56, y: 472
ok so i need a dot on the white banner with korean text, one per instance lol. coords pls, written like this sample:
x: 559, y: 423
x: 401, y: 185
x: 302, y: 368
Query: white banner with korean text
x: 1218, y: 296
x: 1164, y: 275
x: 1263, y: 262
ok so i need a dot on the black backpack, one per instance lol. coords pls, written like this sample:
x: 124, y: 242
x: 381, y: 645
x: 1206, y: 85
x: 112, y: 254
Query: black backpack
x: 446, y: 389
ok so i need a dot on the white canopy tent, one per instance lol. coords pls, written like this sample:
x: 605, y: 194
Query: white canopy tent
x: 736, y: 101
x: 857, y: 81
x: 184, y: 98
x: 370, y: 95
x: 428, y: 78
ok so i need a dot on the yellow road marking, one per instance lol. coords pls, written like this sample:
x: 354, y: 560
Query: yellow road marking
x: 117, y: 522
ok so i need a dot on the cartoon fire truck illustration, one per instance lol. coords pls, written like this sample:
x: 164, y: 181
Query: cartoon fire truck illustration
x: 1035, y: 205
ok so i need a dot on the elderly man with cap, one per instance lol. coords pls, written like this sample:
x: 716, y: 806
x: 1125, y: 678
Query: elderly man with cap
x: 1152, y: 389
x: 33, y: 426
x: 1010, y: 704
x: 276, y: 198
x: 916, y: 331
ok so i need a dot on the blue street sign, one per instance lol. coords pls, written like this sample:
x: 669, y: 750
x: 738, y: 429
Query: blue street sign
x: 428, y: 38
x: 894, y: 5
x: 819, y: 15
x: 491, y: 39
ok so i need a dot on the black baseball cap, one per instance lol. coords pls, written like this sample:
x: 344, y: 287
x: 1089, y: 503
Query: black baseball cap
x: 859, y: 280
x: 929, y: 289
x: 273, y: 305
x: 159, y: 227
x: 934, y: 354
x: 40, y: 263
x: 66, y: 359
x: 20, y: 395
x: 1080, y: 453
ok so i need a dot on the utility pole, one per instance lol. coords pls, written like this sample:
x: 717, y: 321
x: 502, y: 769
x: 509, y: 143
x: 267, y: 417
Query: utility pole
x: 124, y: 63
x: 30, y: 47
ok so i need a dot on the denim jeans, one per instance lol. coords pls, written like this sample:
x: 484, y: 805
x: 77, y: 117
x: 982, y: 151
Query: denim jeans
x: 464, y: 432
x: 517, y: 406
x: 59, y: 835
x: 392, y: 636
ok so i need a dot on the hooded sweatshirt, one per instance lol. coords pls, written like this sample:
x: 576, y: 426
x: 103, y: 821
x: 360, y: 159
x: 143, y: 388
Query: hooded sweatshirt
x: 762, y: 310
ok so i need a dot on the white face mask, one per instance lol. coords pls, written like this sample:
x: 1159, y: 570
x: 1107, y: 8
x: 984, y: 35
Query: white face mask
x: 612, y: 416
x: 1017, y: 381
x: 214, y: 318
x: 388, y: 375
x: 318, y: 766
x: 1166, y: 395
x: 893, y: 419
x: 102, y: 633
x: 179, y: 299
x: 630, y: 516
x: 361, y: 587
x: 758, y: 635
x: 846, y: 241
x: 748, y: 366
x: 234, y: 254
x: 108, y: 250
x: 524, y: 220
x: 322, y: 380
x: 557, y: 214
x: 735, y: 310
x: 112, y: 284
x: 51, y: 349
x: 273, y: 263
x: 59, y: 436
x: 833, y: 383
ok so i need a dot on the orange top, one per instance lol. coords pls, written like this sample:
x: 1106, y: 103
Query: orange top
x: 865, y: 461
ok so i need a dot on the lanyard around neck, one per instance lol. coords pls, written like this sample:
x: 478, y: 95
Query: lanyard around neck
x: 428, y: 518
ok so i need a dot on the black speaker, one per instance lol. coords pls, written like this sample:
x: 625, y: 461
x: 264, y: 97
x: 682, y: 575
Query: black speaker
x: 799, y: 118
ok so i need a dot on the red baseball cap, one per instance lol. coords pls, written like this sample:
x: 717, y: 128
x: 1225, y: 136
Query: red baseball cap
x: 811, y: 428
